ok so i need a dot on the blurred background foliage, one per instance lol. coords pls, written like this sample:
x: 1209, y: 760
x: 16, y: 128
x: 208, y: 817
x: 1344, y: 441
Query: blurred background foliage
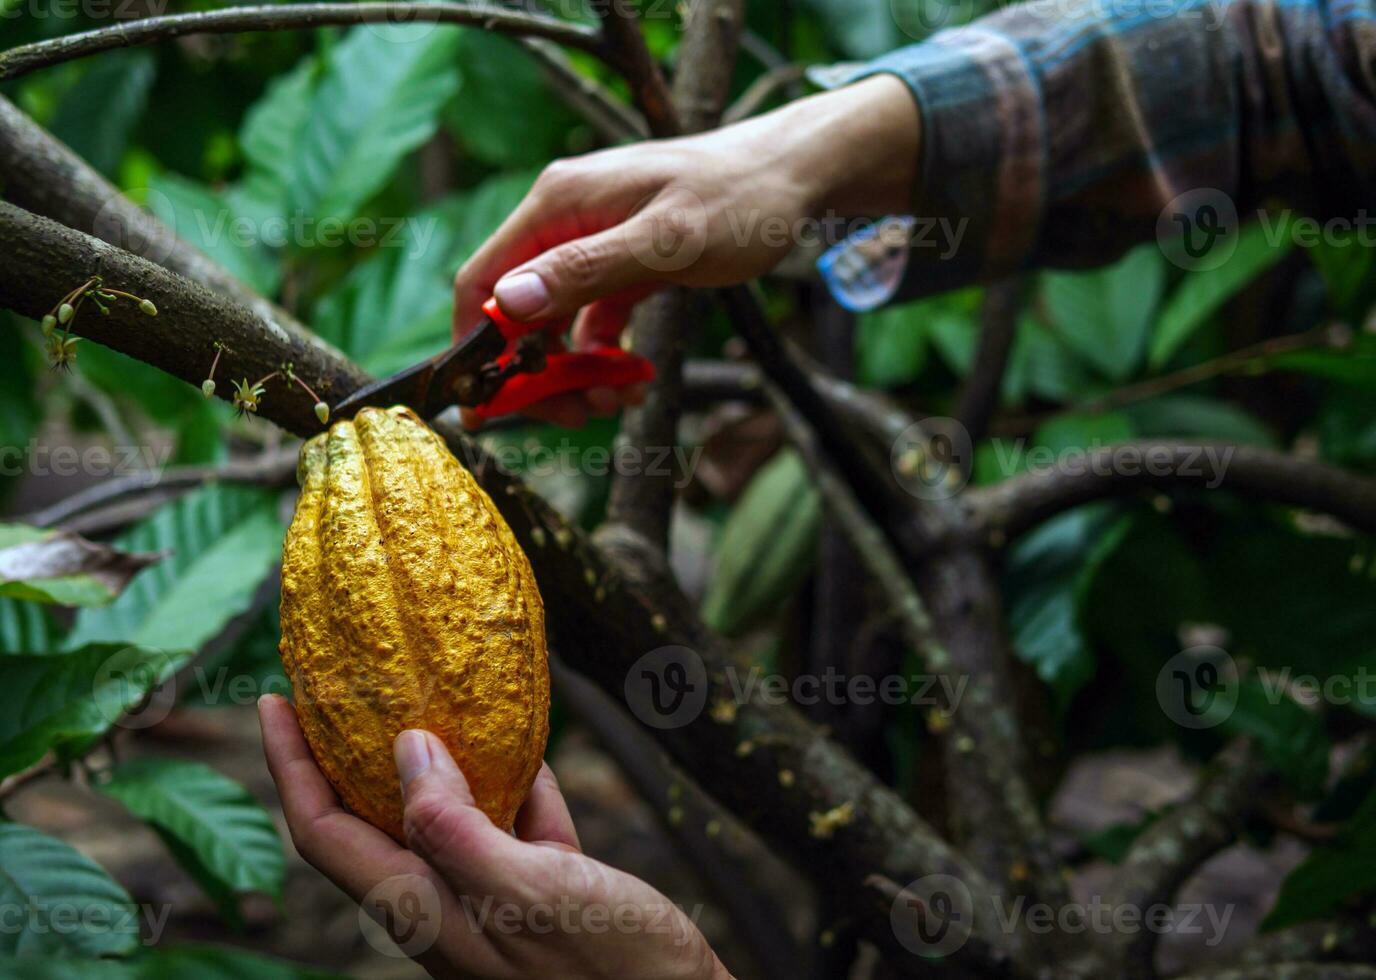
x: 419, y: 140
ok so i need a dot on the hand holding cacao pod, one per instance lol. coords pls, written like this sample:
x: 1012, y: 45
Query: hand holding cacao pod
x: 407, y: 603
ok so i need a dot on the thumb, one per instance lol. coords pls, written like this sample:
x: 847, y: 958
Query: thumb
x: 559, y: 282
x: 442, y: 821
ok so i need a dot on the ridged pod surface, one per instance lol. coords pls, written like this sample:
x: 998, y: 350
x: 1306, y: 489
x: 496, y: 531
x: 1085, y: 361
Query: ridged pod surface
x: 407, y: 603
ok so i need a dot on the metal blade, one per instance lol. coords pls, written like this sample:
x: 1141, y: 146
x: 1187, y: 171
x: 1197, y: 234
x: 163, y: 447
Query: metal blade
x: 432, y: 385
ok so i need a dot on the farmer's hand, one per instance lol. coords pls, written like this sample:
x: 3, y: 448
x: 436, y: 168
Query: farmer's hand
x: 469, y: 900
x: 600, y: 232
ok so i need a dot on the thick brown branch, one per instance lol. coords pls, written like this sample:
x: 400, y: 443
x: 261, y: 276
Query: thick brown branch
x: 723, y: 853
x: 1005, y: 510
x: 1168, y: 852
x: 241, y: 20
x: 626, y: 46
x: 45, y: 260
x: 1341, y: 941
x: 41, y: 175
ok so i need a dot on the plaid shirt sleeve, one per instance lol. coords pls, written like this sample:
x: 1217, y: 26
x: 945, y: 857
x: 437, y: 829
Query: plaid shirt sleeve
x: 1055, y: 133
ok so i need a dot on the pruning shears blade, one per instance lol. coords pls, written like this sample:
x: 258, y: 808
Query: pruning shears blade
x: 451, y: 377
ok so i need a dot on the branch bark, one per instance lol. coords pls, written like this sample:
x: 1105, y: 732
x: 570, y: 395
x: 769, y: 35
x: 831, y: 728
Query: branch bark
x: 999, y: 325
x: 27, y: 58
x: 1005, y: 510
x: 1165, y: 855
x: 660, y: 328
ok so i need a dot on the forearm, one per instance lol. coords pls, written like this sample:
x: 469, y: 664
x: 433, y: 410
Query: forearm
x: 1057, y: 135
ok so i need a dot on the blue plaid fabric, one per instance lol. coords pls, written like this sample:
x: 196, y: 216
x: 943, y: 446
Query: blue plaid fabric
x: 1055, y: 133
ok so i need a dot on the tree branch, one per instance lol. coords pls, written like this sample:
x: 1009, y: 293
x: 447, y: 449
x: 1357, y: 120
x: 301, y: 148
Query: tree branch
x: 268, y: 469
x: 43, y: 176
x: 660, y: 328
x: 999, y: 325
x: 1005, y: 510
x: 27, y: 58
x: 625, y: 45
x: 1169, y: 851
x: 614, y: 121
x: 706, y: 833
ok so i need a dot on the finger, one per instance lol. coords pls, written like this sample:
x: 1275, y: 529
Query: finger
x: 545, y: 816
x: 554, y: 212
x: 603, y: 401
x: 558, y: 282
x: 569, y: 411
x: 444, y: 825
x: 602, y: 322
x: 351, y: 853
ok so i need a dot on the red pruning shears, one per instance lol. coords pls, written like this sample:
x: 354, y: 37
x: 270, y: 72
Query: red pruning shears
x: 500, y: 368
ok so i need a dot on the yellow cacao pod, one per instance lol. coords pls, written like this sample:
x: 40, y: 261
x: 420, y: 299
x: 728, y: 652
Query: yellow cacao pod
x: 407, y: 603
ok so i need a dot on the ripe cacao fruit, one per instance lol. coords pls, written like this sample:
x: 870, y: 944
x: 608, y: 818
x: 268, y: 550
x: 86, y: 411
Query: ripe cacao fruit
x: 407, y: 603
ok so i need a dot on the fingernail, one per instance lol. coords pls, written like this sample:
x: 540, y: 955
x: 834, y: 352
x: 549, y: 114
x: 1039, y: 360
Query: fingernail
x: 522, y: 295
x: 412, y: 752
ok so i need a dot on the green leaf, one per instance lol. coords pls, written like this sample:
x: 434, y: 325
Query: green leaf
x: 19, y: 409
x: 210, y: 222
x: 70, y: 906
x: 892, y: 346
x: 224, y: 541
x: 228, y: 831
x: 25, y: 627
x: 380, y: 98
x: 1046, y: 577
x: 863, y: 29
x: 164, y: 963
x: 1353, y: 365
x: 1347, y: 428
x: 96, y: 117
x: 1331, y: 874
x: 1197, y: 415
x: 767, y: 546
x: 220, y: 963
x: 41, y: 565
x: 1296, y: 602
x: 1043, y: 365
x: 236, y: 674
x: 1106, y: 315
x: 272, y: 130
x: 506, y: 115
x: 1291, y: 738
x: 33, y: 968
x: 1346, y: 269
x: 396, y: 308
x: 67, y: 700
x: 1201, y: 293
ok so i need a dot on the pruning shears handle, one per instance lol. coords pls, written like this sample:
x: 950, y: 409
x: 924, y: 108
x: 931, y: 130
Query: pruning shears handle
x: 564, y: 371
